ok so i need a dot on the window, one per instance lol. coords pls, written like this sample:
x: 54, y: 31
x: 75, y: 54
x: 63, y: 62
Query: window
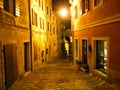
x: 101, y: 55
x: 48, y: 11
x: 42, y: 53
x: 17, y: 7
x: 34, y: 17
x: 76, y: 12
x: 40, y: 23
x: 42, y: 5
x: 76, y: 48
x: 84, y: 51
x: 43, y: 25
x: 12, y: 6
x: 84, y: 5
x: 53, y: 18
x: 35, y: 50
x: 54, y: 30
x: 48, y: 26
x: 97, y: 2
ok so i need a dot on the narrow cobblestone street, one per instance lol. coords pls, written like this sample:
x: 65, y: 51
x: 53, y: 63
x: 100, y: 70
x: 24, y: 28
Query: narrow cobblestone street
x: 61, y: 75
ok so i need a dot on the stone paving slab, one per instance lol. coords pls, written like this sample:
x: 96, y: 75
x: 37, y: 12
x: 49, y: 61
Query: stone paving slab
x: 60, y: 75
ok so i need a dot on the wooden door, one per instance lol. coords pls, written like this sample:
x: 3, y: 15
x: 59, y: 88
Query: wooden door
x: 10, y: 63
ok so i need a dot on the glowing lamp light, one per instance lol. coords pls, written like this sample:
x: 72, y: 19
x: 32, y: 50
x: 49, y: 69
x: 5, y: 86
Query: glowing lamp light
x: 63, y: 12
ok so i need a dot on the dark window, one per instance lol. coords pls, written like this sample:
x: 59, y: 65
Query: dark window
x: 48, y: 26
x: 42, y: 53
x: 34, y: 17
x: 47, y: 10
x: 84, y: 51
x: 46, y: 51
x: 43, y: 25
x: 12, y: 6
x: 35, y: 51
x: 97, y: 2
x: 76, y: 48
x: 40, y: 23
x: 54, y: 30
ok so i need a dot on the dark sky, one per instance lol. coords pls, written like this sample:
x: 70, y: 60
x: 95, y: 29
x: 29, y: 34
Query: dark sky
x: 58, y: 5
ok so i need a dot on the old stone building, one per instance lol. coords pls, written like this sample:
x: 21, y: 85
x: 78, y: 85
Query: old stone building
x: 14, y: 41
x: 96, y: 28
x: 29, y: 36
x: 54, y: 29
x: 38, y: 31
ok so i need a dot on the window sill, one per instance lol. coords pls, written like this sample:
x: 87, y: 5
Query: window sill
x: 100, y: 73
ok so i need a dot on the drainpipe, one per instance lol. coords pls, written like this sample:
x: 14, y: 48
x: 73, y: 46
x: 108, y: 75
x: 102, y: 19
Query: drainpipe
x: 30, y: 27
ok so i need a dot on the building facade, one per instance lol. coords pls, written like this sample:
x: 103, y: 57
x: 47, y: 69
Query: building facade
x: 38, y: 32
x: 29, y: 37
x: 96, y: 27
x: 14, y: 41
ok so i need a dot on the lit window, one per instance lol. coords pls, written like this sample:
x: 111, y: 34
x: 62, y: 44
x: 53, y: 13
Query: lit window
x: 17, y: 8
x: 101, y: 55
x: 84, y: 6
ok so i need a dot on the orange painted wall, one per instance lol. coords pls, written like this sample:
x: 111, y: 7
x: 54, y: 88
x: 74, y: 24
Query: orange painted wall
x: 107, y: 9
x: 113, y: 32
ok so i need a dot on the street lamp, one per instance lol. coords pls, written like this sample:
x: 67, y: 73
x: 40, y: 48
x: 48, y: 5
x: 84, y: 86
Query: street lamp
x: 63, y: 12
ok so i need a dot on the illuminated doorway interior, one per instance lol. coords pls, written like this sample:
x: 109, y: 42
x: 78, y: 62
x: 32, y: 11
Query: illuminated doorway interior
x: 101, y: 55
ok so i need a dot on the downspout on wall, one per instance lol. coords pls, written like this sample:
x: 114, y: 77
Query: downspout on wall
x: 30, y: 20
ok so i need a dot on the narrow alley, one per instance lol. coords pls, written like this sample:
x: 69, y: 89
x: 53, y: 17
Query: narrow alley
x: 61, y: 75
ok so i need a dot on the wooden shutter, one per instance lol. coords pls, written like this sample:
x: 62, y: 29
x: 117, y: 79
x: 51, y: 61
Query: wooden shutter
x: 17, y: 8
x: 1, y: 68
x: 10, y: 61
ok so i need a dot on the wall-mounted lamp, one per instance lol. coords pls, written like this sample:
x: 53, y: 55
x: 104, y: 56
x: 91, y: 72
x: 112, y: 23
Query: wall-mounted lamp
x: 89, y: 48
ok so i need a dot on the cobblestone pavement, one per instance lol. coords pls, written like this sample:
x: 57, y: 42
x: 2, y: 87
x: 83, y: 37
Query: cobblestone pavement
x: 60, y: 75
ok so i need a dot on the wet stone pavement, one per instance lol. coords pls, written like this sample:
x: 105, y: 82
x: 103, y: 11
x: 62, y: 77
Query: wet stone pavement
x: 61, y: 75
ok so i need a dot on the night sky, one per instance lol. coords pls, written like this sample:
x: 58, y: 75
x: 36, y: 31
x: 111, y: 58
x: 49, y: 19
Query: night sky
x: 57, y: 5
